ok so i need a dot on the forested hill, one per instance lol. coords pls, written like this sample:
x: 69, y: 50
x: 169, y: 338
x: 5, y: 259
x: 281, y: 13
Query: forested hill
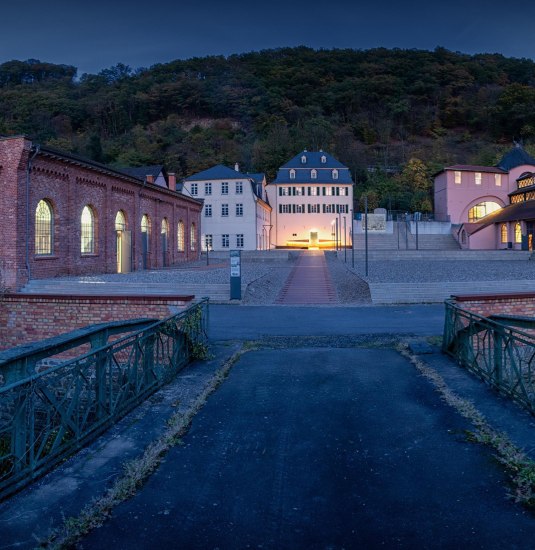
x: 374, y: 107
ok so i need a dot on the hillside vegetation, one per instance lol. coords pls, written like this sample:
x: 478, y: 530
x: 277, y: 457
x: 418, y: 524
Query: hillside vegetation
x: 392, y: 116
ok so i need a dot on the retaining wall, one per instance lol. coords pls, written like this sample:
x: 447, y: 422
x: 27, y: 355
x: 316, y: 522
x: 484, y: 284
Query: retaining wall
x: 28, y: 318
x: 520, y: 303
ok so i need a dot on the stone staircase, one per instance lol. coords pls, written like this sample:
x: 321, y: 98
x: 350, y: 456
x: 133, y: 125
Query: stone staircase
x: 216, y: 292
x: 440, y: 255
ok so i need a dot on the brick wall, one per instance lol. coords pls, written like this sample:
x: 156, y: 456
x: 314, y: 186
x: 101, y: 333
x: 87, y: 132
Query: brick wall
x: 522, y: 304
x: 28, y: 318
x: 68, y: 185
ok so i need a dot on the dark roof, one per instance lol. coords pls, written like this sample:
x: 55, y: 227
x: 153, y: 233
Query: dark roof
x: 313, y: 160
x: 474, y: 168
x: 515, y: 157
x: 509, y: 213
x: 142, y: 172
x: 218, y: 172
x: 324, y: 170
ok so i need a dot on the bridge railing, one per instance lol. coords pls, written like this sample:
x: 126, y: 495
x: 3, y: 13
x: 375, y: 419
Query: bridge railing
x: 47, y: 415
x: 501, y: 355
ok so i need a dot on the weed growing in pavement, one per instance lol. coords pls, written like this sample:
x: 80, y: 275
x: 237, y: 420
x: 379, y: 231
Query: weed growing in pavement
x: 520, y: 467
x: 137, y: 471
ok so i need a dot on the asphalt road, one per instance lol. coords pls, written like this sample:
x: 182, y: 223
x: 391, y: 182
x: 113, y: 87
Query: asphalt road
x: 322, y: 448
x: 229, y: 322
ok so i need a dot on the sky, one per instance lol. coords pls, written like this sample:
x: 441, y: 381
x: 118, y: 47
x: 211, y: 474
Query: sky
x: 97, y: 34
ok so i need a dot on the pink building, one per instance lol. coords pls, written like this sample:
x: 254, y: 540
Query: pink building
x: 474, y: 199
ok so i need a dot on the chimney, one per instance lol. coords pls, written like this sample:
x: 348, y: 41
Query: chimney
x: 237, y: 167
x: 172, y: 181
x: 150, y: 178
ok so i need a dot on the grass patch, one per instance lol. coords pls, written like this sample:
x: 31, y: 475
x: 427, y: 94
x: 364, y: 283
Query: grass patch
x: 518, y: 465
x: 137, y: 471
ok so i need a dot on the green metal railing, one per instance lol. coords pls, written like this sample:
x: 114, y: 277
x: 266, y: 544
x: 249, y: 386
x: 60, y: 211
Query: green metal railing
x: 501, y: 355
x: 46, y: 416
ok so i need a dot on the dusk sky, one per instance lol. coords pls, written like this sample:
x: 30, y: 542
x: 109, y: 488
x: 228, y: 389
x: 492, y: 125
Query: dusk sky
x: 99, y: 34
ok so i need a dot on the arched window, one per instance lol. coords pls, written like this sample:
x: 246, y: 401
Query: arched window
x: 303, y: 159
x: 503, y: 232
x: 481, y: 210
x: 44, y: 228
x: 323, y: 159
x: 292, y: 174
x: 314, y: 174
x: 518, y: 233
x: 180, y: 236
x: 87, y: 231
x: 335, y: 174
x: 120, y: 221
x: 165, y: 231
x: 145, y: 229
x: 192, y: 237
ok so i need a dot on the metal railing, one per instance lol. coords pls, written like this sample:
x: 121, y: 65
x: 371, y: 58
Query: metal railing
x: 502, y: 356
x: 47, y: 415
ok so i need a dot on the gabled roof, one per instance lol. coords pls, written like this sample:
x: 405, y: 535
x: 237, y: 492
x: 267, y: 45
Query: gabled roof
x: 515, y: 157
x: 218, y: 172
x: 313, y: 160
x: 142, y: 172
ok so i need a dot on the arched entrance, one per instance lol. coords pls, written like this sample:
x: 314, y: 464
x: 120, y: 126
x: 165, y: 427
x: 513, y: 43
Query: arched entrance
x: 124, y: 248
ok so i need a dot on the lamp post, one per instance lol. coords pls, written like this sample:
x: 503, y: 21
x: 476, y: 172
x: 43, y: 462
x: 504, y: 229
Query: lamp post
x: 336, y: 226
x: 345, y: 241
x: 332, y: 233
x: 366, y: 231
x: 352, y: 241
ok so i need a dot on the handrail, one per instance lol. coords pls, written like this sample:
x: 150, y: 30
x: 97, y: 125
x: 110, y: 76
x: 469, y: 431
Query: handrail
x: 50, y: 414
x: 494, y: 350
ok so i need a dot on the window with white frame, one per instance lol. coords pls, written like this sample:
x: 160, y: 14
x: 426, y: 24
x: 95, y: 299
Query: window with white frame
x: 239, y: 209
x: 207, y: 210
x: 335, y: 174
x: 299, y: 191
x: 299, y: 208
x: 328, y: 191
x: 284, y: 191
x: 498, y: 180
x: 224, y: 240
x: 313, y: 191
x: 303, y: 159
x: 478, y: 178
x: 194, y: 189
x: 87, y: 229
x: 292, y: 174
x: 192, y: 237
x: 328, y: 208
x: 239, y: 240
x: 239, y: 187
x: 208, y: 242
x: 180, y: 236
x: 457, y: 176
x: 314, y: 174
x: 208, y: 188
x: 285, y: 208
x: 323, y: 159
x: 44, y: 228
x: 344, y: 191
x: 313, y: 208
x: 224, y: 210
x: 224, y: 188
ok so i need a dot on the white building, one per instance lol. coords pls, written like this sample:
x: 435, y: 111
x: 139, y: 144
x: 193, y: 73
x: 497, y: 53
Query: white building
x: 312, y: 200
x: 236, y: 213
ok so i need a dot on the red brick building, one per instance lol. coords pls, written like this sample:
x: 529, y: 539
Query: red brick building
x: 64, y: 215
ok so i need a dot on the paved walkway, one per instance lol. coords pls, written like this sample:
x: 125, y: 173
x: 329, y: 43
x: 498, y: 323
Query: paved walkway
x: 309, y: 281
x: 322, y: 448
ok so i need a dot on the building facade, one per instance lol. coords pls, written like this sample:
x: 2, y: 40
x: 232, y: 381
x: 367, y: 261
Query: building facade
x: 65, y: 215
x: 236, y: 212
x: 479, y: 200
x: 312, y: 200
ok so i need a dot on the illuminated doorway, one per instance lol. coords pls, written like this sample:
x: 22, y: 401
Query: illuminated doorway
x: 123, y: 240
x: 313, y: 241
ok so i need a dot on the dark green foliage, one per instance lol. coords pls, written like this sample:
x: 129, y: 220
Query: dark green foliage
x: 371, y: 108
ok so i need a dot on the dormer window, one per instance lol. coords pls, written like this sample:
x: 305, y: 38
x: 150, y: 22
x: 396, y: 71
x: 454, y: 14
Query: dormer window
x: 292, y: 174
x: 314, y: 174
x: 335, y: 174
x: 323, y: 159
x: 303, y: 159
